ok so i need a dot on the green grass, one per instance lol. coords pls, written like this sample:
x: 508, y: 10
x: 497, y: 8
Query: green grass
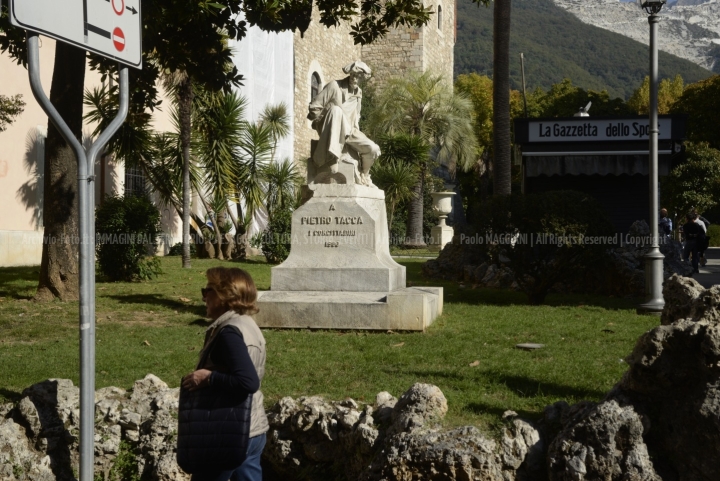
x: 157, y: 327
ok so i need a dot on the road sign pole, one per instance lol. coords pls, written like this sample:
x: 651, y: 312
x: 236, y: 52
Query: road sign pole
x: 86, y: 214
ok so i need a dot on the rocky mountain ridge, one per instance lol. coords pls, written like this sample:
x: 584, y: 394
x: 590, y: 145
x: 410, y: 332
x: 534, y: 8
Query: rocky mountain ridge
x: 689, y: 29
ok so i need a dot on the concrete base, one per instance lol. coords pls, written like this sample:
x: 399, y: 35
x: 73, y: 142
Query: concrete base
x: 407, y: 309
x: 441, y: 235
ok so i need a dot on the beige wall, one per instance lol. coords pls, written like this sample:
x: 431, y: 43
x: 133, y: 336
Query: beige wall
x: 21, y: 160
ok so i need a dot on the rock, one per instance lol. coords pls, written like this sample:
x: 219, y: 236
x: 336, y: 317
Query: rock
x: 385, y: 403
x: 605, y: 443
x: 420, y: 405
x: 460, y: 454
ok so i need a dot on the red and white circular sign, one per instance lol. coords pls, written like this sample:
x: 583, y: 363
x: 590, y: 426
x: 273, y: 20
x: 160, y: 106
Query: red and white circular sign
x: 118, y: 38
x: 118, y: 6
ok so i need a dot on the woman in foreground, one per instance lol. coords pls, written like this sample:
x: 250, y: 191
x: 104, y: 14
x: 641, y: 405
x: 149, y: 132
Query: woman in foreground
x: 232, y: 363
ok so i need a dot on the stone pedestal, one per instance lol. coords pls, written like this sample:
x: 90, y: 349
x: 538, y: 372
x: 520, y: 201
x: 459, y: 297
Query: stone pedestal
x: 339, y: 273
x: 441, y: 236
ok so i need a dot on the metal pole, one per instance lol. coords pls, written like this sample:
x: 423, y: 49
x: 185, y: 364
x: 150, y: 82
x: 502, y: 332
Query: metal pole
x: 522, y: 71
x: 653, y: 259
x: 86, y: 214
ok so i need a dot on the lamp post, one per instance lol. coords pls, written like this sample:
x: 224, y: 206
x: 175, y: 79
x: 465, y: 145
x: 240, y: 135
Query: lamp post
x: 653, y: 259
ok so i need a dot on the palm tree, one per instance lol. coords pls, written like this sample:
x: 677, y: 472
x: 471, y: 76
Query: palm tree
x: 217, y: 120
x: 254, y: 155
x: 425, y: 106
x: 277, y: 118
x: 397, y: 169
x: 501, y: 97
x: 283, y: 184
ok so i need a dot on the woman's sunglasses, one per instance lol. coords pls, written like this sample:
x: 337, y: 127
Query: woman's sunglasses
x: 205, y: 290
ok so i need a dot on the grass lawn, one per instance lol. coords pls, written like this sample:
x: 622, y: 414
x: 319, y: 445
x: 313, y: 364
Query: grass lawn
x: 157, y: 327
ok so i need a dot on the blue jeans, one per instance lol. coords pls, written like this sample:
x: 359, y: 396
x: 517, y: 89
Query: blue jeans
x: 249, y: 470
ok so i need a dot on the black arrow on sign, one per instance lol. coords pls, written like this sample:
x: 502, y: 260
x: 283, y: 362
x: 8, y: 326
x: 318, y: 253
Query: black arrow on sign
x: 132, y: 10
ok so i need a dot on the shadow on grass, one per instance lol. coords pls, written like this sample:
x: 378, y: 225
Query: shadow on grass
x: 527, y: 387
x: 14, y: 281
x: 202, y: 322
x: 251, y: 261
x: 156, y: 300
x: 484, y: 408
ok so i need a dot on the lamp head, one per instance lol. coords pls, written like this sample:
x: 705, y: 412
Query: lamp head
x: 652, y: 6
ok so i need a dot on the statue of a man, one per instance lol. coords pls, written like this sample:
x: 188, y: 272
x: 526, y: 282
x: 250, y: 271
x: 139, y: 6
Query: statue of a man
x: 335, y: 114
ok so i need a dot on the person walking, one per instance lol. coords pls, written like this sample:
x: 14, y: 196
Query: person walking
x: 665, y: 225
x: 694, y: 235
x: 232, y: 361
x: 705, y: 224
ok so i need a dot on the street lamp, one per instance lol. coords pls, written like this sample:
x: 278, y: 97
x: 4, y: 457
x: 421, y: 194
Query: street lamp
x: 653, y: 259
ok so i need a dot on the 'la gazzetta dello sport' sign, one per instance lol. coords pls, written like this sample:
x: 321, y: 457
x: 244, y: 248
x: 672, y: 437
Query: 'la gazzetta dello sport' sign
x: 596, y: 129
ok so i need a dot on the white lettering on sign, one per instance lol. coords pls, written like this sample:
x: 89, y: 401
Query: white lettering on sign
x: 601, y: 129
x: 111, y: 28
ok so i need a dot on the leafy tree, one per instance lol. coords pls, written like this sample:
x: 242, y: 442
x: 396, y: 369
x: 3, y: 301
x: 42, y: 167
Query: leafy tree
x: 565, y: 99
x: 10, y: 107
x: 701, y: 101
x: 425, y: 106
x: 694, y: 183
x: 669, y: 91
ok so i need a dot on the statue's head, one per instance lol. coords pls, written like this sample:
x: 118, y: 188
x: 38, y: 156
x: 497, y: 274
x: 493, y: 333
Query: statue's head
x: 358, y: 71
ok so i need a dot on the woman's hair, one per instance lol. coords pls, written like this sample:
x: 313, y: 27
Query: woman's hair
x: 234, y: 287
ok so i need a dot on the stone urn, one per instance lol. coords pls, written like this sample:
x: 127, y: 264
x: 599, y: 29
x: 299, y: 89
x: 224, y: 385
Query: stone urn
x: 442, y: 233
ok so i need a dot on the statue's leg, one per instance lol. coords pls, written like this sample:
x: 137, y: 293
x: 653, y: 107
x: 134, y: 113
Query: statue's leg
x: 366, y: 149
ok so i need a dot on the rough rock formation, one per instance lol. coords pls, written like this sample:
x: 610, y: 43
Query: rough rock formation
x: 394, y: 440
x: 39, y: 436
x: 688, y: 28
x: 667, y: 403
x: 624, y: 275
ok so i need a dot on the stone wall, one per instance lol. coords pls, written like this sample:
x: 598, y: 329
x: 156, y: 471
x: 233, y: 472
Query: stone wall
x: 325, y: 51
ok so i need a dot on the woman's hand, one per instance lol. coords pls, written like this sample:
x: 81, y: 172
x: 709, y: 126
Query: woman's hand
x: 196, y: 379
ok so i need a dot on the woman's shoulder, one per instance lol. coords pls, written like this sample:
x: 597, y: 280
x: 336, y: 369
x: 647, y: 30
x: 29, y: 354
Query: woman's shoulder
x: 248, y: 328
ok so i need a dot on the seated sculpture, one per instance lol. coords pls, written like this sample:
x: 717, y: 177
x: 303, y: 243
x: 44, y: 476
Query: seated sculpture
x: 335, y: 115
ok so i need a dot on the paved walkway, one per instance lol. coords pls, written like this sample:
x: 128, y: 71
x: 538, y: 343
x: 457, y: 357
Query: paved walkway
x: 710, y: 274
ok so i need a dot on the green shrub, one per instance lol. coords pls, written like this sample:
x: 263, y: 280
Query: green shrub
x: 714, y: 235
x: 276, y: 237
x: 176, y: 250
x: 127, y: 230
x: 540, y: 237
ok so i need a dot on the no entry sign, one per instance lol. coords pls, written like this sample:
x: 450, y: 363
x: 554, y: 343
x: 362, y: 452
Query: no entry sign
x: 111, y: 28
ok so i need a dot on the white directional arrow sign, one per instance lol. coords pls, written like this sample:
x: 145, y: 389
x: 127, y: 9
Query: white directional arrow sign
x: 111, y: 28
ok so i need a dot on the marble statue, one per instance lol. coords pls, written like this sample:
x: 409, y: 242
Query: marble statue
x: 335, y: 115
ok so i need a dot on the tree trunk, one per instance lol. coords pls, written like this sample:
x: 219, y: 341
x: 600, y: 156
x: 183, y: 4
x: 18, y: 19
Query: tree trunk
x: 185, y: 97
x: 501, y: 97
x: 414, y: 230
x: 59, y: 269
x: 216, y: 227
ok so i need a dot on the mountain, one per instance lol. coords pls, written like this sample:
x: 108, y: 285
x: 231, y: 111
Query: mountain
x: 556, y: 44
x: 688, y: 28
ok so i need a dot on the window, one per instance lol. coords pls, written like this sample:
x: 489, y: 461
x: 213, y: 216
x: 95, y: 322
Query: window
x: 315, y: 85
x: 134, y: 181
x: 439, y: 15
